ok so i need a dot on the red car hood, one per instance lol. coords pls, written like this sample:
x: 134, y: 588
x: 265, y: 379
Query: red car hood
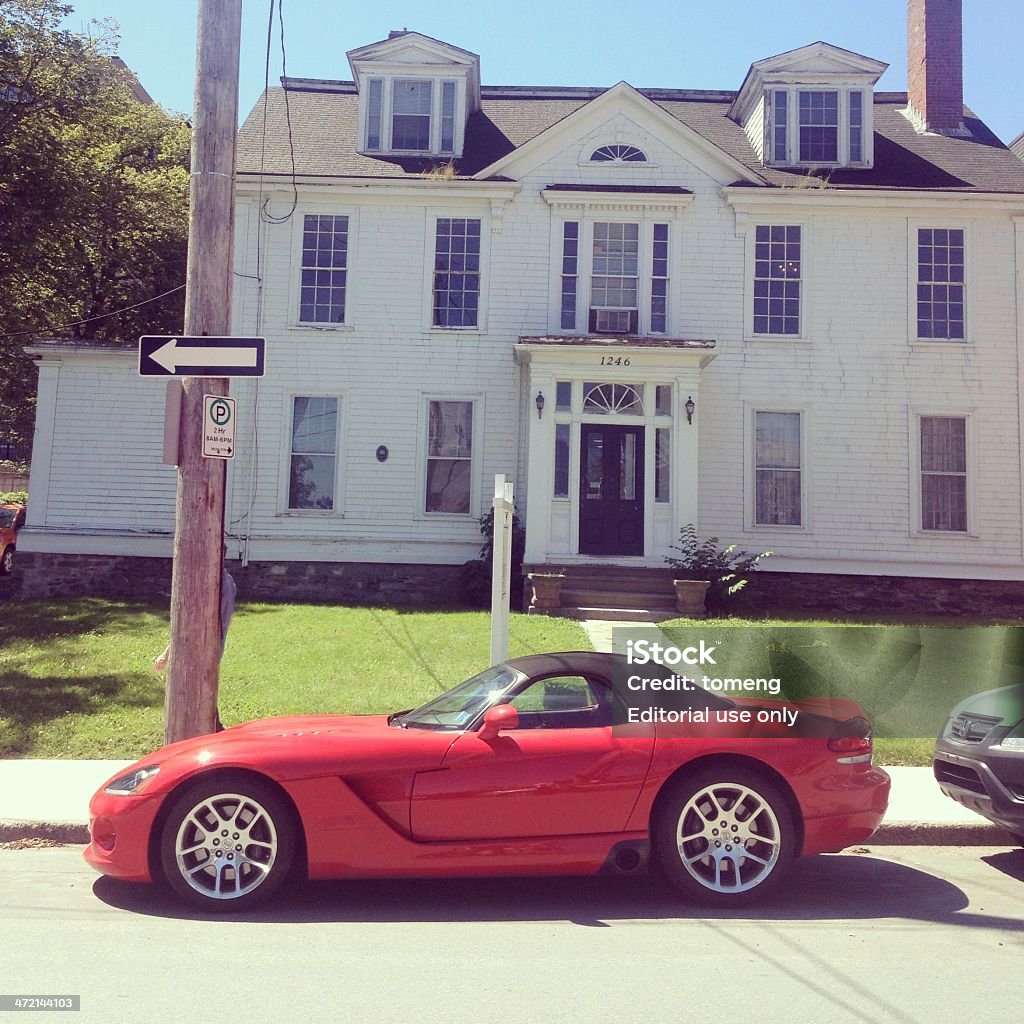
x: 303, y: 746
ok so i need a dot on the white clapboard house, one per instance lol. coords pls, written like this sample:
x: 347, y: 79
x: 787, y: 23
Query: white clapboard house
x: 789, y: 314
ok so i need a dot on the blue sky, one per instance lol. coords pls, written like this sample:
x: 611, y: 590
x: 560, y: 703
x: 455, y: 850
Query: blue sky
x: 667, y: 43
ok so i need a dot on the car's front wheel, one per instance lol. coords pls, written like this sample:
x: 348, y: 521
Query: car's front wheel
x: 7, y: 562
x: 724, y: 836
x: 227, y: 843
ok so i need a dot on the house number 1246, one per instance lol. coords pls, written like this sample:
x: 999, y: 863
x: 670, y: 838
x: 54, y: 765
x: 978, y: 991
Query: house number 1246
x: 614, y: 361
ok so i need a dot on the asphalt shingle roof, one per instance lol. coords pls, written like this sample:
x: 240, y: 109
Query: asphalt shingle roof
x: 324, y: 128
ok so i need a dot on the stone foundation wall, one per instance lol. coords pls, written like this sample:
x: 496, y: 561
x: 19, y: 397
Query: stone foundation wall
x: 38, y: 575
x: 900, y: 597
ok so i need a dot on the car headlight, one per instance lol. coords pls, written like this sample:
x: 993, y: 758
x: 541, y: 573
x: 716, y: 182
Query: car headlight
x: 133, y: 781
x: 1011, y: 743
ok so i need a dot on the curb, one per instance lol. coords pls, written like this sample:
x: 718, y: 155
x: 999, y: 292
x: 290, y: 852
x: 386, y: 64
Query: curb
x: 57, y: 831
x: 900, y: 833
x: 924, y: 833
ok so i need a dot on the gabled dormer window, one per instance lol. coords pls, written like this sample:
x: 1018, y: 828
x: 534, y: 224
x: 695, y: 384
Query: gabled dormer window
x: 815, y: 127
x: 810, y: 107
x: 410, y: 115
x: 415, y: 95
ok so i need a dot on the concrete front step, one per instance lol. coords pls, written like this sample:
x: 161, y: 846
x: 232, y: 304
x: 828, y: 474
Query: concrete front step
x: 611, y: 614
x: 594, y: 597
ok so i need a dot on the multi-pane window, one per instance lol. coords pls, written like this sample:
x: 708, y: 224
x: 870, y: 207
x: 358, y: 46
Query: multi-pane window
x: 324, y: 269
x: 940, y: 283
x: 944, y: 473
x: 374, y: 113
x: 313, y: 457
x: 410, y: 114
x: 615, y: 278
x: 819, y: 126
x: 449, y: 483
x: 777, y: 472
x: 416, y: 115
x: 562, y: 460
x: 447, y: 117
x: 662, y: 464
x: 659, y: 280
x: 777, y: 279
x: 780, y: 125
x: 609, y: 399
x: 623, y: 154
x: 856, y: 127
x: 570, y: 273
x: 456, y: 272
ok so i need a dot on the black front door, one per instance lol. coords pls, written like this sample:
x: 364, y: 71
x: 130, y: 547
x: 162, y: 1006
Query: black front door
x: 611, y: 490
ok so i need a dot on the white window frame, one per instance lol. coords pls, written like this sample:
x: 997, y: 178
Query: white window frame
x: 295, y: 291
x: 387, y: 113
x: 939, y: 222
x: 584, y: 267
x: 804, y: 525
x: 476, y: 456
x: 792, y: 155
x: 970, y: 443
x: 430, y: 242
x: 752, y: 223
x: 284, y: 481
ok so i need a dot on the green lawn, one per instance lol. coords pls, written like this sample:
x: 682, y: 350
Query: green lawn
x: 76, y: 677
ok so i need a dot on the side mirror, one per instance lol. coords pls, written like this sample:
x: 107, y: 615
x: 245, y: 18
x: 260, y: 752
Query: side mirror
x: 501, y: 716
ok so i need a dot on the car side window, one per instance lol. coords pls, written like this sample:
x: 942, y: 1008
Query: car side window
x: 563, y: 702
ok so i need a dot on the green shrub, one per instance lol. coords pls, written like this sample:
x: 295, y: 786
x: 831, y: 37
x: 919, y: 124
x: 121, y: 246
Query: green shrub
x: 727, y: 568
x: 475, y: 575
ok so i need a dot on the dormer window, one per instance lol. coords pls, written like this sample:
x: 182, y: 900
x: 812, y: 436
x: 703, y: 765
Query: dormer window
x: 618, y: 154
x: 415, y: 95
x: 815, y: 127
x: 810, y: 107
x: 410, y: 115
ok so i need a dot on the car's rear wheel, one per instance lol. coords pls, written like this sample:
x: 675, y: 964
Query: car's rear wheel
x: 227, y: 843
x: 7, y: 562
x: 724, y: 836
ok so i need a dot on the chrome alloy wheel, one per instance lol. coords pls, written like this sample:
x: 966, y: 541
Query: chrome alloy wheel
x: 728, y: 837
x: 226, y: 846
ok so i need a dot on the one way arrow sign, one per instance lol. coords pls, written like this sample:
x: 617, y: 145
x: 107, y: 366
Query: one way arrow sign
x: 166, y: 356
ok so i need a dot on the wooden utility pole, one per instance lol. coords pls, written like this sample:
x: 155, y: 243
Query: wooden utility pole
x: 192, y: 672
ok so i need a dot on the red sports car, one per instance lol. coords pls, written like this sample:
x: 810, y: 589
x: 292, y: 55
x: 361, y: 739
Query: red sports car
x: 531, y: 767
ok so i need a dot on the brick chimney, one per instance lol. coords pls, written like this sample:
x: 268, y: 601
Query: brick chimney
x: 935, y: 66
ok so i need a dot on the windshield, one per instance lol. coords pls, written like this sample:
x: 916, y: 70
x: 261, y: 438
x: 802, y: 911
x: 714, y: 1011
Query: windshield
x: 459, y: 708
x: 7, y: 517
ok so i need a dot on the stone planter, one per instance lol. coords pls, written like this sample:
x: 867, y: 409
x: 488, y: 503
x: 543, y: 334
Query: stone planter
x: 690, y: 597
x: 547, y: 590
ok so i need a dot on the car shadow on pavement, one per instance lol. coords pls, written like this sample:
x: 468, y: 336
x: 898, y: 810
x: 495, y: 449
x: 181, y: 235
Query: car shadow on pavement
x: 830, y: 887
x: 1009, y: 862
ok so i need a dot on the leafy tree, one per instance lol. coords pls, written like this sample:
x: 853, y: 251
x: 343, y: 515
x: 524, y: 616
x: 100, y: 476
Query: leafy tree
x: 93, y: 198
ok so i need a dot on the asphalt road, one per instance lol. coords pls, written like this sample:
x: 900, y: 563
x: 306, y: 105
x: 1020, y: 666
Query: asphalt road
x: 894, y: 935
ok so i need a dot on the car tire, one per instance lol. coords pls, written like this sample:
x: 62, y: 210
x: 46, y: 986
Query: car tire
x: 227, y: 843
x: 7, y: 562
x: 724, y: 836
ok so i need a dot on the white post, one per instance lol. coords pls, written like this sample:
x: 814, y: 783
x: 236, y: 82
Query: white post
x: 501, y: 568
